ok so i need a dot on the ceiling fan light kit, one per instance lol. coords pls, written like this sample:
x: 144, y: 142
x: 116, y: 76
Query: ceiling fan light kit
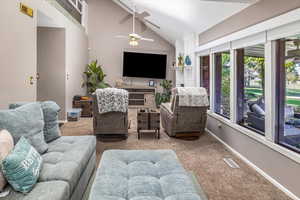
x: 133, y: 43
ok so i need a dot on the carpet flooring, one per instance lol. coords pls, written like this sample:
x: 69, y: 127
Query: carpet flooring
x: 203, y: 156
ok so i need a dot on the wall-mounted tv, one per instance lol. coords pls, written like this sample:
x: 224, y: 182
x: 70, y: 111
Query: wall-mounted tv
x: 144, y: 65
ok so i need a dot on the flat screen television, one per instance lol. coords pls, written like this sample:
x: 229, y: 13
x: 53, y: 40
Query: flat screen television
x: 144, y: 65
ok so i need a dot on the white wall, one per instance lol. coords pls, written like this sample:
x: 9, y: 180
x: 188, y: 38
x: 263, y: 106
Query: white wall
x: 187, y: 46
x: 18, y: 50
x: 189, y: 49
x: 76, y: 48
x: 104, y: 26
x: 179, y: 45
x: 17, y: 54
x: 77, y: 59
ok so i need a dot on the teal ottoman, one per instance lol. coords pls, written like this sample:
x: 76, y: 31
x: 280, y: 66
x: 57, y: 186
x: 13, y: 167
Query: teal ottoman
x: 142, y: 175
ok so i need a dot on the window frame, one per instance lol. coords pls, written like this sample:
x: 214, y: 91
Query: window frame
x: 240, y: 88
x: 268, y: 31
x: 280, y: 93
x: 217, y: 81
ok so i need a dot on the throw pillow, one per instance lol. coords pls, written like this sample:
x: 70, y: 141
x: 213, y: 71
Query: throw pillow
x: 50, y: 111
x: 22, y: 167
x: 257, y: 110
x: 51, y: 128
x: 6, y: 146
x: 27, y: 121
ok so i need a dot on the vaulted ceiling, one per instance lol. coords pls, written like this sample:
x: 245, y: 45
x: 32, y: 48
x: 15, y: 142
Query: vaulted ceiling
x: 180, y: 17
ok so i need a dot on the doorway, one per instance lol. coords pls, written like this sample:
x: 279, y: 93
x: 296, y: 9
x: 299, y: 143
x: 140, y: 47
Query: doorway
x: 51, y: 64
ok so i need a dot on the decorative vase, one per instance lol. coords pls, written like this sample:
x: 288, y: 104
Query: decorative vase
x: 188, y: 61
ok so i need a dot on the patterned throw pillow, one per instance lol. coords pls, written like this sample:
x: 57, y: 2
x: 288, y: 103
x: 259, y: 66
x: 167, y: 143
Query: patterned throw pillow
x: 22, y: 166
x: 6, y: 146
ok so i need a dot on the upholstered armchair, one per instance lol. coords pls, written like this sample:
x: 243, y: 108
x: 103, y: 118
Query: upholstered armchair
x: 183, y: 120
x: 111, y: 124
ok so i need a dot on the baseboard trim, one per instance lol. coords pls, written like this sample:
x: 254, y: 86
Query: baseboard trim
x: 261, y: 172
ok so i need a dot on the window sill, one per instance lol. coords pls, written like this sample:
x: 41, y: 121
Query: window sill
x: 276, y: 147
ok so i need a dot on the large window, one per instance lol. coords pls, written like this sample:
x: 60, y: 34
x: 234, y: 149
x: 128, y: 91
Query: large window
x: 205, y: 73
x: 288, y: 92
x: 250, y: 87
x: 222, y: 83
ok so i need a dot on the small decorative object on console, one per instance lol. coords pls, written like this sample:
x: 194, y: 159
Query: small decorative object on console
x: 151, y: 83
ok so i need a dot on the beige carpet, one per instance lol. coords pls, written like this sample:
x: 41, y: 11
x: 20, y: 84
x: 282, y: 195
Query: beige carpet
x: 204, y: 157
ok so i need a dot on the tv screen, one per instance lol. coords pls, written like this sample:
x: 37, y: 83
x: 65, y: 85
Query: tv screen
x: 144, y: 65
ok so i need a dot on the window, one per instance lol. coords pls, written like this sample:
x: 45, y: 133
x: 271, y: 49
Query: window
x: 205, y: 73
x: 222, y: 83
x: 288, y: 92
x: 250, y: 87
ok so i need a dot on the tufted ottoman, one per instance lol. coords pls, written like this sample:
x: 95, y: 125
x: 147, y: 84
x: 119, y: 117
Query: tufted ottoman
x: 142, y: 175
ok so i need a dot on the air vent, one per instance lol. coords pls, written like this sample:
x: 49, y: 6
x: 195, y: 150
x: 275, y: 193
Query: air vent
x: 231, y: 163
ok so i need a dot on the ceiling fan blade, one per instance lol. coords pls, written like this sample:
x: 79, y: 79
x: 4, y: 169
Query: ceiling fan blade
x: 122, y: 36
x: 147, y: 39
x: 149, y: 22
x: 125, y: 19
x: 143, y: 27
x: 142, y: 15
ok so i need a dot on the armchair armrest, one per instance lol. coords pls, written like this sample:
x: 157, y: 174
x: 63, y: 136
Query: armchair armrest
x: 166, y: 107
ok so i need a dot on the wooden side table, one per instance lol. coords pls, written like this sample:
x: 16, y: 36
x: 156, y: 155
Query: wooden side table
x: 86, y: 106
x: 148, y: 120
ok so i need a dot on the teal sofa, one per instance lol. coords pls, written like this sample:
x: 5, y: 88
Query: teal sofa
x: 68, y: 165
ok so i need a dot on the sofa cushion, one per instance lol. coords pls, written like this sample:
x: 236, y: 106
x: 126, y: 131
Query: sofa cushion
x: 50, y: 111
x: 257, y: 109
x: 58, y: 190
x: 27, y: 121
x: 142, y: 175
x: 6, y: 146
x: 67, y: 158
x: 22, y: 166
x: 51, y: 128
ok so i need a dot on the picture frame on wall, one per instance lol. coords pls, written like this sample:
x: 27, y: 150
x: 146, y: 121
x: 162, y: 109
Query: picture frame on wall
x: 151, y: 83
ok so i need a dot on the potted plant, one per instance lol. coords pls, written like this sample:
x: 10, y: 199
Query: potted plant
x: 94, y: 77
x: 165, y: 96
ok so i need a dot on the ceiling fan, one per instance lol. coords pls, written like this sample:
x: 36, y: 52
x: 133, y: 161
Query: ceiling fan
x: 133, y: 37
x: 140, y: 16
